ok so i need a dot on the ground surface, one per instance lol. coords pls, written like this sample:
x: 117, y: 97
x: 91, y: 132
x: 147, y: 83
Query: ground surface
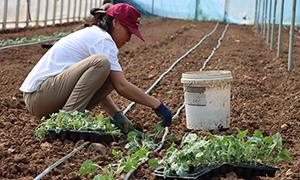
x: 264, y: 95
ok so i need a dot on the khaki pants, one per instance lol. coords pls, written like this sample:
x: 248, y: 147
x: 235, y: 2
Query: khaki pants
x: 80, y: 87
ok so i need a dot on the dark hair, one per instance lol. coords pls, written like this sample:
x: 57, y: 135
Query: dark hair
x: 101, y: 19
x: 107, y: 1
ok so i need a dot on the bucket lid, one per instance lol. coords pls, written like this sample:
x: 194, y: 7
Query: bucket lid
x: 206, y: 76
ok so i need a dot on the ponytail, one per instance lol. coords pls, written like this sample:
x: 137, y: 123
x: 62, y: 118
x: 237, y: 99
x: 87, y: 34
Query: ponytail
x: 101, y: 19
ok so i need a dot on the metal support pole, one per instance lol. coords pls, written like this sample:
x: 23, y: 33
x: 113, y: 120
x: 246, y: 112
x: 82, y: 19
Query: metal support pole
x: 17, y: 14
x: 261, y: 4
x: 61, y: 11
x: 74, y: 12
x: 46, y: 12
x: 28, y: 13
x: 54, y: 13
x: 279, y: 47
x: 264, y: 18
x: 196, y: 10
x: 91, y: 4
x: 5, y: 15
x: 85, y: 9
x: 79, y: 11
x: 291, y: 42
x: 152, y: 10
x: 269, y: 21
x: 68, y: 11
x: 273, y: 25
x: 258, y: 16
x: 38, y: 13
x: 225, y: 11
x: 255, y: 13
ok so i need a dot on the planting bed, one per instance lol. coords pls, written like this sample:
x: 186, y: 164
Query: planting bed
x: 264, y: 95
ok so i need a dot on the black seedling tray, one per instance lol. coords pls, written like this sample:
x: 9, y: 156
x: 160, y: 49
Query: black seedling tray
x: 247, y: 171
x: 204, y: 173
x: 242, y: 170
x: 74, y: 135
x: 46, y: 45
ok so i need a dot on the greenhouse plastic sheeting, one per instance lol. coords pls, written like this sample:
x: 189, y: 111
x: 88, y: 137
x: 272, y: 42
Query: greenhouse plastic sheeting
x: 173, y: 9
x: 237, y: 11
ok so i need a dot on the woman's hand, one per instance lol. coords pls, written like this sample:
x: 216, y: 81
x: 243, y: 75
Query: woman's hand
x: 165, y: 114
x: 122, y: 122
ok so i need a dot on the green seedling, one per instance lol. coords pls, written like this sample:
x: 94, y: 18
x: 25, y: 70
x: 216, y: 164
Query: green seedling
x: 81, y: 121
x: 37, y: 38
x: 196, y: 152
x: 138, y: 147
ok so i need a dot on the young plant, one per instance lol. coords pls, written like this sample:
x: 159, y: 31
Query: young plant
x: 37, y: 38
x: 138, y: 148
x: 81, y: 121
x: 196, y: 152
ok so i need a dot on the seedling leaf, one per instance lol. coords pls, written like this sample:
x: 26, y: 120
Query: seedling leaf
x: 87, y: 167
x: 153, y: 163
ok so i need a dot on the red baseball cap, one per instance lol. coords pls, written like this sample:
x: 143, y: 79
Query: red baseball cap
x: 128, y: 16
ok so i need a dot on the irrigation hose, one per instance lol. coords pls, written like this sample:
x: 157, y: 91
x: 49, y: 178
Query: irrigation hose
x: 144, y: 160
x: 57, y: 163
x: 215, y: 48
x: 178, y: 111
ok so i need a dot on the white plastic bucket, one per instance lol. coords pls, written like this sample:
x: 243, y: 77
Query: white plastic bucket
x: 207, y: 99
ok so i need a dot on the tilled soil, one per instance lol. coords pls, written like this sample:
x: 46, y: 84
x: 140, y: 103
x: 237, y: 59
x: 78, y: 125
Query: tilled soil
x: 264, y: 95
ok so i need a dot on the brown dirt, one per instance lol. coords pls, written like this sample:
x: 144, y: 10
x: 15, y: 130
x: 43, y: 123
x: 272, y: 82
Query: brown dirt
x: 264, y: 95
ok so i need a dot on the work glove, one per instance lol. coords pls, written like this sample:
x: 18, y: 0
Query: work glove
x: 165, y: 114
x: 122, y: 122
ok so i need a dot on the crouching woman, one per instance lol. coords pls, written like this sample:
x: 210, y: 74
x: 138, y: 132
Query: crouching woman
x: 81, y: 70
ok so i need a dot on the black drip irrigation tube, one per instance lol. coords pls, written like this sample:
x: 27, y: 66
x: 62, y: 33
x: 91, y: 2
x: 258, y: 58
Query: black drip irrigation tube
x: 57, y: 163
x: 127, y: 176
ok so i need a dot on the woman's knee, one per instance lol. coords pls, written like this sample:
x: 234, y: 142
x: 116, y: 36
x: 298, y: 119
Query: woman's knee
x: 106, y: 65
x: 101, y: 61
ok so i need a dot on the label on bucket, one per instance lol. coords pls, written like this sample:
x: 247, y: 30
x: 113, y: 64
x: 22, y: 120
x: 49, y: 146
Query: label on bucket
x: 195, y: 96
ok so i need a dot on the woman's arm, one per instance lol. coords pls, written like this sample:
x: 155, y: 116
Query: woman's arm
x: 109, y: 106
x: 130, y: 91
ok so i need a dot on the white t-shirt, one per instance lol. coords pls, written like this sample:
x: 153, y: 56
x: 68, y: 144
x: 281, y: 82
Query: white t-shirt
x: 71, y: 50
